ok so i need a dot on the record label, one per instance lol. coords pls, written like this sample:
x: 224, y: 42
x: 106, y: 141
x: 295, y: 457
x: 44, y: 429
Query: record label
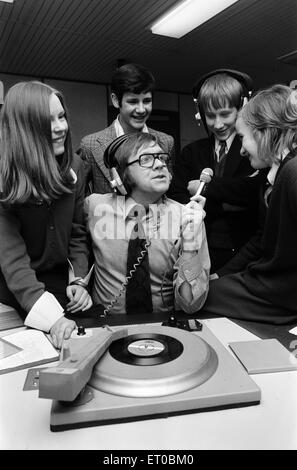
x: 145, y: 347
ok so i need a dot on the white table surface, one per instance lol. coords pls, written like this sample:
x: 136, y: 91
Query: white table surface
x: 25, y: 418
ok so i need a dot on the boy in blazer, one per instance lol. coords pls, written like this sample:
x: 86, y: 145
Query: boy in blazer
x: 231, y: 197
x: 131, y: 93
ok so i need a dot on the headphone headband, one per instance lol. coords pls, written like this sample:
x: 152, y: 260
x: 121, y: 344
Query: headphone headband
x: 243, y: 78
x: 110, y: 151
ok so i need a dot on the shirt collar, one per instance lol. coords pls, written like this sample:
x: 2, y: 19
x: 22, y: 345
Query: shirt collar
x: 275, y: 166
x: 131, y: 206
x: 228, y: 143
x: 119, y: 129
x: 74, y: 176
x: 133, y: 210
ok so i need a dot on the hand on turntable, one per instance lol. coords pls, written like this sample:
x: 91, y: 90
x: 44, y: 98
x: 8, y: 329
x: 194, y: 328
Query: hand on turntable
x: 192, y: 219
x: 61, y: 330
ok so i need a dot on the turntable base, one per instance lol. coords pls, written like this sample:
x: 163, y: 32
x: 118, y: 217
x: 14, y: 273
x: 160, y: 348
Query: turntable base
x: 195, y: 373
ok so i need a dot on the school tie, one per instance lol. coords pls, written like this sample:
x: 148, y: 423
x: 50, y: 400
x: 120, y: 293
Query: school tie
x: 138, y: 290
x: 220, y: 164
x: 222, y: 151
x: 267, y: 193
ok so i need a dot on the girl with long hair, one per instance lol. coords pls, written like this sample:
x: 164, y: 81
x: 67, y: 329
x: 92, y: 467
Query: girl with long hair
x: 44, y: 247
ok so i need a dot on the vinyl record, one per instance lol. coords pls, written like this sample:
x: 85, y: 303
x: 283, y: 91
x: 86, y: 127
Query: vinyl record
x: 155, y: 361
x: 146, y: 349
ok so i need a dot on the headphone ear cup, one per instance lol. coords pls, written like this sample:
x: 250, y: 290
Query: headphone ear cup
x: 116, y: 182
x: 111, y: 163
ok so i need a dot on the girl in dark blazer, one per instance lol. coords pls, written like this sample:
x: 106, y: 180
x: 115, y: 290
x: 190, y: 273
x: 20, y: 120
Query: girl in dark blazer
x: 44, y: 249
x: 260, y: 282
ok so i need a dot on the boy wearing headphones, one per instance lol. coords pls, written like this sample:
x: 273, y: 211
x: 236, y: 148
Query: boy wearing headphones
x: 150, y: 252
x: 132, y: 89
x: 231, y: 198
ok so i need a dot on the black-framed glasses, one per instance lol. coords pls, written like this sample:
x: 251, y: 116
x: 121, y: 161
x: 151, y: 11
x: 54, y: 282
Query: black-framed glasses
x: 147, y: 160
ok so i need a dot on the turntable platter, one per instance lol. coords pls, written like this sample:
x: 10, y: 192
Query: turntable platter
x: 153, y: 362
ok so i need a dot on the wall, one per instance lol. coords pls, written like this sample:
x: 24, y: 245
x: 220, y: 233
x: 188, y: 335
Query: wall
x: 189, y: 128
x: 87, y: 106
x: 9, y: 80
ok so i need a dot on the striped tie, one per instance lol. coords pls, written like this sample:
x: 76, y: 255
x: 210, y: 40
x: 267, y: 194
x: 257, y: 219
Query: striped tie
x: 222, y: 150
x: 138, y: 290
x: 267, y: 193
x: 220, y: 164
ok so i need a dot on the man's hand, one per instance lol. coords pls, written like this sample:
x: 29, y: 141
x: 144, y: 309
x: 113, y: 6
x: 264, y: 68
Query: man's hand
x: 61, y: 330
x: 193, y: 216
x: 193, y: 186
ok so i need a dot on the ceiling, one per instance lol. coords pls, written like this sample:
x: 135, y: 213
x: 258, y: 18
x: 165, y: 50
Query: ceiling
x: 84, y: 40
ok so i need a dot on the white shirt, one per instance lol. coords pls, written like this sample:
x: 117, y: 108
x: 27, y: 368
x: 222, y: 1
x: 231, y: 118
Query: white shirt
x: 119, y: 129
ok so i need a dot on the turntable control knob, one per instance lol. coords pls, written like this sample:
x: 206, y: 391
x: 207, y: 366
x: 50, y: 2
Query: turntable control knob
x: 81, y: 331
x: 172, y: 321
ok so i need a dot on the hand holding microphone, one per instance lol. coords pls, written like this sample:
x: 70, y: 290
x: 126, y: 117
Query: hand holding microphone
x: 195, y: 187
x: 192, y: 218
x: 194, y: 214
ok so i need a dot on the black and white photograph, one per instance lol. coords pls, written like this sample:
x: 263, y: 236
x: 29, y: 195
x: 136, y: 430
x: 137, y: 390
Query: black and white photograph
x: 148, y: 230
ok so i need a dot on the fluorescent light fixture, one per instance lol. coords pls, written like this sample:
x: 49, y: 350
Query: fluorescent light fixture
x: 7, y: 1
x: 187, y: 15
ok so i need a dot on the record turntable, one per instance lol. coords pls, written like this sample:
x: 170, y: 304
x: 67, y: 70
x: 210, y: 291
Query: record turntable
x: 143, y: 372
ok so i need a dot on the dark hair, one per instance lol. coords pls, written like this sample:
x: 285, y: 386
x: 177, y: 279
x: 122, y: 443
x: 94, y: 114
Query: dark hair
x: 28, y: 166
x: 132, y: 78
x: 272, y: 116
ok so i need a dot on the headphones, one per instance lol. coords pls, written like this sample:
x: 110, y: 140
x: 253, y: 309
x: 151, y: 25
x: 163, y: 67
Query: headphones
x: 243, y: 78
x: 111, y: 162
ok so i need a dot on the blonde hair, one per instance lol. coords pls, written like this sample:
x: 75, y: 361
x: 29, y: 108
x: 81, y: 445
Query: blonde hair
x: 272, y: 116
x: 220, y: 91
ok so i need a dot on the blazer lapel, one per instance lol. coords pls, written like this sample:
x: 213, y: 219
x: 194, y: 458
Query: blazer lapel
x: 204, y: 154
x: 106, y: 137
x: 233, y: 158
x: 209, y: 153
x: 284, y: 161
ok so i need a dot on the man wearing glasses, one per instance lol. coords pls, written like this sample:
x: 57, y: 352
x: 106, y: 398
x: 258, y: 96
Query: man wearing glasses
x: 132, y: 89
x: 172, y: 261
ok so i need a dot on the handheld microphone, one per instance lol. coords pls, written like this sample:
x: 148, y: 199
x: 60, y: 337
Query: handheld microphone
x: 205, y: 178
